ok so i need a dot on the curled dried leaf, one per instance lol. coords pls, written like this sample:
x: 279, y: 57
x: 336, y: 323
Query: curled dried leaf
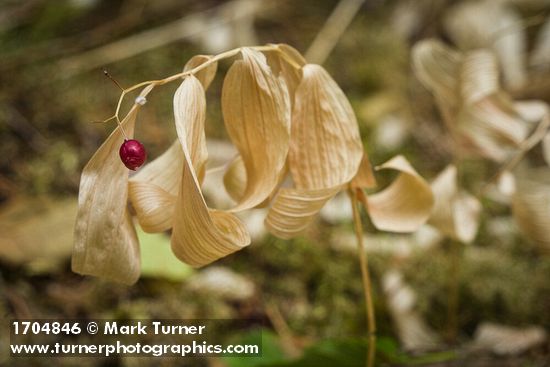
x: 200, y: 235
x: 468, y: 27
x: 154, y: 206
x: 294, y: 209
x: 105, y: 240
x: 468, y: 94
x: 364, y: 179
x: 162, y: 171
x: 234, y: 179
x: 531, y: 206
x: 256, y: 110
x: 292, y: 54
x: 206, y: 75
x: 404, y: 205
x: 437, y: 67
x: 325, y: 152
x: 456, y: 213
x: 479, y: 76
x: 492, y: 127
x: 154, y: 189
x: 488, y: 118
x: 292, y: 75
x: 323, y: 121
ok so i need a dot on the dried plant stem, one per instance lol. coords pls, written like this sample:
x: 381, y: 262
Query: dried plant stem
x: 283, y: 330
x: 453, y: 295
x: 183, y: 28
x: 367, y: 288
x: 216, y: 58
x: 332, y: 30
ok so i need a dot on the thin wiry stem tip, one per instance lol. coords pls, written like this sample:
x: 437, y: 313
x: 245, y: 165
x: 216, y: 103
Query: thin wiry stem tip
x: 106, y: 73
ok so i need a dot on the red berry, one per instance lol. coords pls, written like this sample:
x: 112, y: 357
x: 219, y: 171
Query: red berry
x: 132, y: 154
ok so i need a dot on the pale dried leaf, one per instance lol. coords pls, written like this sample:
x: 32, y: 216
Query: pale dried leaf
x: 106, y: 243
x: 531, y: 206
x: 507, y: 340
x: 487, y: 119
x: 199, y: 235
x: 455, y: 213
x: 206, y: 75
x: 437, y: 66
x: 468, y: 27
x: 163, y: 171
x: 153, y: 191
x: 493, y: 127
x: 466, y: 88
x: 324, y: 122
x: 479, y: 76
x: 192, y: 135
x: 256, y: 111
x: 154, y: 206
x: 234, y: 179
x: 292, y: 53
x: 294, y: 209
x: 291, y: 75
x: 364, y: 179
x: 325, y: 152
x: 404, y: 205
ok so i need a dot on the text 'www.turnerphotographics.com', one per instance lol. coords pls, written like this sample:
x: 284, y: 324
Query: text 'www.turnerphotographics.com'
x: 155, y: 338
